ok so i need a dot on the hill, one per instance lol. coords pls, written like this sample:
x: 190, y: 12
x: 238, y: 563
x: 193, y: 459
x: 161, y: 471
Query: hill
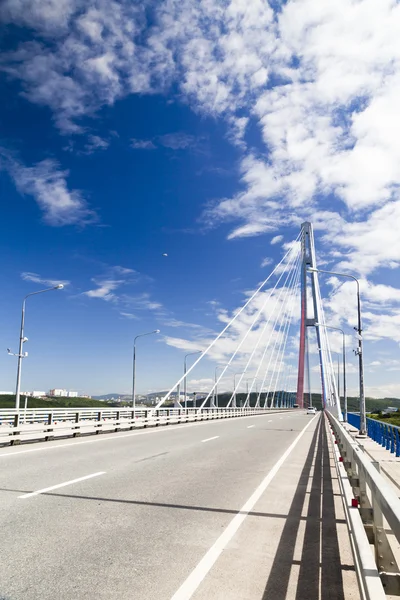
x: 8, y: 401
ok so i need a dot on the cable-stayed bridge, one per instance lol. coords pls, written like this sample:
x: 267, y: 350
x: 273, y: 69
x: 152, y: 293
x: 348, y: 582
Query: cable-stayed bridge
x: 243, y: 496
x: 263, y: 344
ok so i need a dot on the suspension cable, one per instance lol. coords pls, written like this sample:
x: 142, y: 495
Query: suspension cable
x: 168, y: 394
x: 286, y: 334
x: 274, y: 331
x: 256, y: 318
x: 290, y: 277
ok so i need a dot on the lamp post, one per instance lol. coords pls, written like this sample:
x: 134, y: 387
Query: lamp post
x: 184, y: 373
x: 234, y: 386
x: 23, y: 339
x: 344, y: 366
x: 134, y: 365
x: 363, y: 421
x: 215, y: 394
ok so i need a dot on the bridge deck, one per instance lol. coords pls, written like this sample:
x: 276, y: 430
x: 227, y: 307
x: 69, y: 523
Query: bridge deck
x: 179, y: 512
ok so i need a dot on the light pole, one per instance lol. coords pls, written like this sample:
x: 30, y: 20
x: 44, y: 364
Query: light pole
x: 134, y: 365
x: 216, y: 387
x: 23, y: 339
x: 344, y: 366
x: 184, y: 373
x: 234, y: 386
x: 363, y: 421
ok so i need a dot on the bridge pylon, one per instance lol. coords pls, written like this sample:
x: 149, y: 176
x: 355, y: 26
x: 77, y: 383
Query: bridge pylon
x: 312, y: 315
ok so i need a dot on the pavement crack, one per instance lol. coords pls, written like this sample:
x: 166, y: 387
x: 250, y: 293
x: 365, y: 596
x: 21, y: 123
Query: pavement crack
x: 150, y: 457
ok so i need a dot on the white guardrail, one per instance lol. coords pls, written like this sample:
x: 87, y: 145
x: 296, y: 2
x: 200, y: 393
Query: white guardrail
x: 47, y: 424
x: 373, y: 516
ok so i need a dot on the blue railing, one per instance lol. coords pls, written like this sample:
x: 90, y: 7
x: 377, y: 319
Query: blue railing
x: 388, y: 436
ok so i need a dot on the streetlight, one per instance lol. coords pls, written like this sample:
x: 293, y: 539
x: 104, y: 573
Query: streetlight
x: 234, y: 387
x: 215, y: 394
x: 134, y: 365
x: 344, y: 366
x: 184, y: 373
x: 23, y: 339
x: 363, y: 420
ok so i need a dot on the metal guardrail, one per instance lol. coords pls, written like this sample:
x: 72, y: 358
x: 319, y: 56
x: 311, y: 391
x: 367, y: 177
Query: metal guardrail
x: 46, y: 424
x: 385, y: 434
x: 370, y: 502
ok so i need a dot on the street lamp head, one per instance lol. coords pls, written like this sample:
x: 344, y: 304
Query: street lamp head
x: 59, y: 286
x: 9, y: 350
x: 156, y: 331
x: 25, y: 339
x: 312, y: 270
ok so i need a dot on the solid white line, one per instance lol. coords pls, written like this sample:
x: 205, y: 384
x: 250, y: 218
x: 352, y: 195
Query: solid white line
x: 250, y: 426
x: 114, y: 437
x: 60, y: 485
x: 270, y: 421
x: 195, y: 578
x: 209, y: 439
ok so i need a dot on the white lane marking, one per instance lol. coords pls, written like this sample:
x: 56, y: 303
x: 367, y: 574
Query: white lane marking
x: 113, y: 437
x: 209, y: 439
x: 270, y: 421
x: 195, y: 578
x: 250, y: 426
x: 60, y: 485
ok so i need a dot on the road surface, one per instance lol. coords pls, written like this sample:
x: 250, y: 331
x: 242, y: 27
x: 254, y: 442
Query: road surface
x: 229, y: 509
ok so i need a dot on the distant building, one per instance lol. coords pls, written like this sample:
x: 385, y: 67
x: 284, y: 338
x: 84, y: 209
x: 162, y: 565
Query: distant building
x: 6, y: 393
x: 58, y: 392
x: 37, y: 394
x: 72, y: 394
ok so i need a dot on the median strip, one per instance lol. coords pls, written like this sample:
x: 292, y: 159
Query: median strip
x: 60, y: 485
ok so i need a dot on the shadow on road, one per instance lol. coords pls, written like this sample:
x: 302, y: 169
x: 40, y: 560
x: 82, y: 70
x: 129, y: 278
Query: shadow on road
x: 320, y: 531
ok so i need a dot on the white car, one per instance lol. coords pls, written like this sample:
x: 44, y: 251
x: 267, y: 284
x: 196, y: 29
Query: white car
x: 311, y: 410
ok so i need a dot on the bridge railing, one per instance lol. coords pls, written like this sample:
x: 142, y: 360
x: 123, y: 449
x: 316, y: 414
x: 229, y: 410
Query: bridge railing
x: 385, y: 434
x: 45, y: 424
x: 371, y: 504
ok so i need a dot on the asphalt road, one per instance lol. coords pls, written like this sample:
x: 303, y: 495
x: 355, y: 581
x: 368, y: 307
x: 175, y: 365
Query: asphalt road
x: 226, y: 509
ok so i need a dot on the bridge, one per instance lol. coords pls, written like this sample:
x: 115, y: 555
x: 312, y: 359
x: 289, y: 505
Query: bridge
x: 242, y: 496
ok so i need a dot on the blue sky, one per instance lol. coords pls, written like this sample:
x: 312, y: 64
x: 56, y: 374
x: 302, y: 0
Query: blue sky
x: 133, y: 130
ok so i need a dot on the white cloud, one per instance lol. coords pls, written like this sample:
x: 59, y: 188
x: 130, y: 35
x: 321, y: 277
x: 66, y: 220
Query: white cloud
x: 177, y: 323
x: 44, y: 15
x: 35, y: 278
x: 86, y: 57
x: 107, y: 287
x: 249, y: 230
x: 142, y: 144
x: 199, y: 385
x: 104, y: 289
x: 95, y: 142
x: 177, y: 141
x: 391, y: 390
x: 47, y: 183
x: 141, y: 301
x: 266, y: 261
x: 276, y: 239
